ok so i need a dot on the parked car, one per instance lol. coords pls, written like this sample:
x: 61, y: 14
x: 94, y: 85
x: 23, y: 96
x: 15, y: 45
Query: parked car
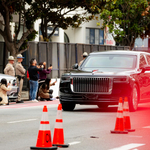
x: 13, y: 94
x: 103, y: 77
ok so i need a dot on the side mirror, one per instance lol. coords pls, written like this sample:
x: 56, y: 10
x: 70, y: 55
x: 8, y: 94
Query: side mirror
x: 145, y: 68
x: 75, y: 66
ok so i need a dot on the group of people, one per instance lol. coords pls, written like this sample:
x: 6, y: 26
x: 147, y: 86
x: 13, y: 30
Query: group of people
x: 36, y: 74
x: 39, y: 83
x: 19, y: 72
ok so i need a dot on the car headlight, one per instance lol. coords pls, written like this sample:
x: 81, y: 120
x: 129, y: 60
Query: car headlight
x: 14, y: 83
x: 65, y: 78
x: 121, y: 79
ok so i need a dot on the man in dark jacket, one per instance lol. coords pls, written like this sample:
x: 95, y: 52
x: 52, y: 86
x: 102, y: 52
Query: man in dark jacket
x: 33, y: 75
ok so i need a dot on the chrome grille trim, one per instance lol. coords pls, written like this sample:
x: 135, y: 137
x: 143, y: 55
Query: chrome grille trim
x: 100, y: 85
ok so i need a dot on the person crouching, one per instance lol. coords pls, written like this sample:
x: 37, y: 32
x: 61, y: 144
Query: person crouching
x: 3, y: 91
x: 44, y: 91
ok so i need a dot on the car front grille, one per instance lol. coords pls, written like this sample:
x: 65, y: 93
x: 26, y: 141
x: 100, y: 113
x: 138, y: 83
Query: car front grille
x: 91, y: 85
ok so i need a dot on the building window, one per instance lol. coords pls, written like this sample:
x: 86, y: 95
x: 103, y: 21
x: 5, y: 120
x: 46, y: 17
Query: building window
x: 94, y: 36
x: 49, y: 31
x: 101, y: 37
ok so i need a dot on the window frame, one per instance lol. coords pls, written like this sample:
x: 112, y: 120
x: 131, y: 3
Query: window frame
x: 92, y: 31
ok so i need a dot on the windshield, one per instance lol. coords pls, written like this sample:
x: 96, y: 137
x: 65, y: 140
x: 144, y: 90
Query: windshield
x: 119, y: 61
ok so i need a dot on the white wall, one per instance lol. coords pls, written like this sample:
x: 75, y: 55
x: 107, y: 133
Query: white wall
x: 78, y: 35
x: 59, y: 38
x: 36, y: 27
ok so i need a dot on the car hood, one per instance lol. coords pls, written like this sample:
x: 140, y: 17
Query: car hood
x: 8, y: 77
x: 101, y: 73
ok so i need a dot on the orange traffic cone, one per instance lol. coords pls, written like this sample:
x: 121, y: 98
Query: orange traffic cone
x: 44, y: 135
x: 127, y: 123
x: 119, y: 127
x: 58, y: 138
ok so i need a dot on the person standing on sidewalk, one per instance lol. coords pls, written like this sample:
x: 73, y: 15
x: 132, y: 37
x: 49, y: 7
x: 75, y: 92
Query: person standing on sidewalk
x: 9, y: 69
x: 84, y: 55
x: 20, y: 73
x: 33, y: 75
x: 44, y: 72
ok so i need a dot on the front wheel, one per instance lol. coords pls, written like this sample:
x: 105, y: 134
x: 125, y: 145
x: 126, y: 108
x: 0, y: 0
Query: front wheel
x: 134, y: 99
x: 68, y: 106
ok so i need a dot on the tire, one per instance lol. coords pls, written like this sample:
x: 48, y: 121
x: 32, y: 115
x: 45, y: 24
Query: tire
x: 68, y: 106
x: 134, y: 99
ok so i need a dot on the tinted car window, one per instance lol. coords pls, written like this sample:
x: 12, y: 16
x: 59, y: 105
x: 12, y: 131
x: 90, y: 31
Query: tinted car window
x: 110, y: 61
x: 148, y: 59
x: 142, y: 61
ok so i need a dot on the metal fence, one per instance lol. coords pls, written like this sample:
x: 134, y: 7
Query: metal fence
x: 63, y: 55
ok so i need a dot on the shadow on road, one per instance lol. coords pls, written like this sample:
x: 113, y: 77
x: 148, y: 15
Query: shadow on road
x: 108, y: 109
x: 112, y: 108
x: 142, y: 108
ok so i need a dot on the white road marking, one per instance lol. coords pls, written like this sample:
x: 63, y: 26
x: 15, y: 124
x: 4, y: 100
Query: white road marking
x: 128, y: 146
x: 73, y: 143
x: 147, y: 127
x: 22, y: 121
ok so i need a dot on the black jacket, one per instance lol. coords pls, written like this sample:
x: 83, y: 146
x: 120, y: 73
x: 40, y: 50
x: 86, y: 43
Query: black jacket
x: 33, y: 72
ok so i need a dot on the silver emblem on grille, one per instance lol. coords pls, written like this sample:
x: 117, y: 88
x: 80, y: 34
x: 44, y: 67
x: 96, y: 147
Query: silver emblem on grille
x: 94, y: 71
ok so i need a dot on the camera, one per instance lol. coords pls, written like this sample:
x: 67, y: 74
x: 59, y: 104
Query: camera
x: 1, y: 99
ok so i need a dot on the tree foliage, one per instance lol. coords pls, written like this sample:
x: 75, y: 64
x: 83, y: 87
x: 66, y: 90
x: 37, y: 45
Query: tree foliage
x: 126, y: 20
x: 10, y: 9
x: 53, y: 13
x: 65, y: 13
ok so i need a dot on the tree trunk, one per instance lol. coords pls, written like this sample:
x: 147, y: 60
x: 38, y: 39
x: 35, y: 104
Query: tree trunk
x: 128, y: 42
x: 11, y: 48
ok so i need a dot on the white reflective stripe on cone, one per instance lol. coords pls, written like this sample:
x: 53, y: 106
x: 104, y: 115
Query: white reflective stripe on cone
x: 59, y: 125
x: 44, y: 116
x: 125, y: 113
x: 120, y: 107
x: 119, y: 114
x: 44, y: 127
x: 59, y: 114
x: 125, y: 106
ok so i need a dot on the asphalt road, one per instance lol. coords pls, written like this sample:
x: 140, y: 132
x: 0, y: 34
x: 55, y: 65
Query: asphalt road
x: 85, y: 128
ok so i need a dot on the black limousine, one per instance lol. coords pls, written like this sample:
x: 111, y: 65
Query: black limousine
x: 103, y: 77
